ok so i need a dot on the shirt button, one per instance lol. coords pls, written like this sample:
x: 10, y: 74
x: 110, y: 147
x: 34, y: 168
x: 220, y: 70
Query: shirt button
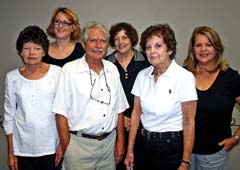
x: 102, y: 128
x: 104, y: 115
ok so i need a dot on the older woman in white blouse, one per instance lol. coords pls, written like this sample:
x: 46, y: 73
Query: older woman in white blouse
x: 29, y: 123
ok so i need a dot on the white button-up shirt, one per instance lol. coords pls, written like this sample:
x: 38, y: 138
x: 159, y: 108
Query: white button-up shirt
x: 73, y: 97
x: 161, y: 101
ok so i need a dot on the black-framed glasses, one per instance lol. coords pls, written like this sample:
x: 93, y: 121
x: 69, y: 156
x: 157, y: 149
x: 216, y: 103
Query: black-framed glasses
x: 108, y: 89
x: 64, y: 23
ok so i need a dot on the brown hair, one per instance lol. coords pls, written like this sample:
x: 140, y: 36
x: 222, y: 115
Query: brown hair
x: 163, y: 30
x: 130, y: 31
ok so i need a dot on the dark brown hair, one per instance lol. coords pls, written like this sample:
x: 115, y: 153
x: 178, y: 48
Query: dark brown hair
x: 130, y: 31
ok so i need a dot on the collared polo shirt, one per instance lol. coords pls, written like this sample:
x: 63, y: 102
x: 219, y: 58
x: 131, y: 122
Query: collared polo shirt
x: 161, y: 101
x: 73, y: 97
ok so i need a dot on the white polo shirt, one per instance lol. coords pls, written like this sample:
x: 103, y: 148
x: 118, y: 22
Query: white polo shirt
x: 73, y: 97
x: 161, y: 101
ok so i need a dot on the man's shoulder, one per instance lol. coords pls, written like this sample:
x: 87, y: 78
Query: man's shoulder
x: 74, y: 65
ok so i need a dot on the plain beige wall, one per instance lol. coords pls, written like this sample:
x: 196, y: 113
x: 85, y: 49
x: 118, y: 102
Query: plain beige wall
x: 181, y: 15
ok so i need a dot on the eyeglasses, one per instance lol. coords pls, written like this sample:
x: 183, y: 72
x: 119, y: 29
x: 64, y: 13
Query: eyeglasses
x: 64, y: 23
x: 108, y: 89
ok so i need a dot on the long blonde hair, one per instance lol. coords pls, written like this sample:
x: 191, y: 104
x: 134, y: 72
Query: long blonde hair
x: 191, y: 62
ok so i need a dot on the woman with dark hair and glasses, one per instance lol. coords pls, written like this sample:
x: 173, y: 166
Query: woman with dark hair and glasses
x: 65, y: 29
x: 29, y: 123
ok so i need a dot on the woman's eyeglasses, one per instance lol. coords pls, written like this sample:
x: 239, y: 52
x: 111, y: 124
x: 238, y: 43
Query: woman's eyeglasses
x: 108, y: 89
x: 64, y: 23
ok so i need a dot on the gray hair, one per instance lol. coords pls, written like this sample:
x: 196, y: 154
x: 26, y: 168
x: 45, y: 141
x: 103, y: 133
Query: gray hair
x: 85, y: 31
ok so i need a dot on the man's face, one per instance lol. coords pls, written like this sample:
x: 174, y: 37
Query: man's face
x: 96, y: 45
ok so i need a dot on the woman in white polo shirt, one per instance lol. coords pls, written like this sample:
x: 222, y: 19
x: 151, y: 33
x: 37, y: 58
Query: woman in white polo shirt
x: 164, y: 106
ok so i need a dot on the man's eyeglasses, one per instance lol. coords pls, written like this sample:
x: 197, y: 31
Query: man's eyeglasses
x: 108, y: 89
x: 101, y: 101
x: 64, y: 23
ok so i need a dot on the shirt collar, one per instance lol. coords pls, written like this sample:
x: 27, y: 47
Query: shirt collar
x: 171, y: 69
x: 138, y: 56
x: 169, y: 72
x: 83, y: 65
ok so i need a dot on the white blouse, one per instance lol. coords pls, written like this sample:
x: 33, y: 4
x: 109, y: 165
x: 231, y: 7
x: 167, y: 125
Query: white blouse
x: 27, y: 113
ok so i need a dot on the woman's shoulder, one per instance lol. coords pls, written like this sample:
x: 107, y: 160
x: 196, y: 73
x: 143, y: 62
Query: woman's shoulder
x: 78, y: 45
x: 111, y: 57
x: 79, y: 49
x: 139, y: 55
x: 230, y: 74
x: 13, y: 76
x: 54, y: 71
x: 230, y: 70
x: 13, y: 73
x: 180, y: 69
x: 146, y: 71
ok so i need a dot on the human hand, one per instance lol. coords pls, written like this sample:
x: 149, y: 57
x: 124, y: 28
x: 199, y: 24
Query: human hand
x: 119, y: 152
x: 12, y: 162
x: 129, y: 161
x: 228, y: 143
x: 127, y: 123
x: 184, y: 166
x: 59, y: 155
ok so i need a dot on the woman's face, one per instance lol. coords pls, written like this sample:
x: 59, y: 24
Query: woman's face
x: 204, y: 51
x: 122, y: 42
x: 157, y: 51
x: 62, y: 26
x: 32, y: 53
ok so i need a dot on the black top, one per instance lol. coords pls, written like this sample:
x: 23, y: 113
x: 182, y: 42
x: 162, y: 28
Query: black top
x: 76, y: 53
x: 128, y: 77
x: 214, y: 112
